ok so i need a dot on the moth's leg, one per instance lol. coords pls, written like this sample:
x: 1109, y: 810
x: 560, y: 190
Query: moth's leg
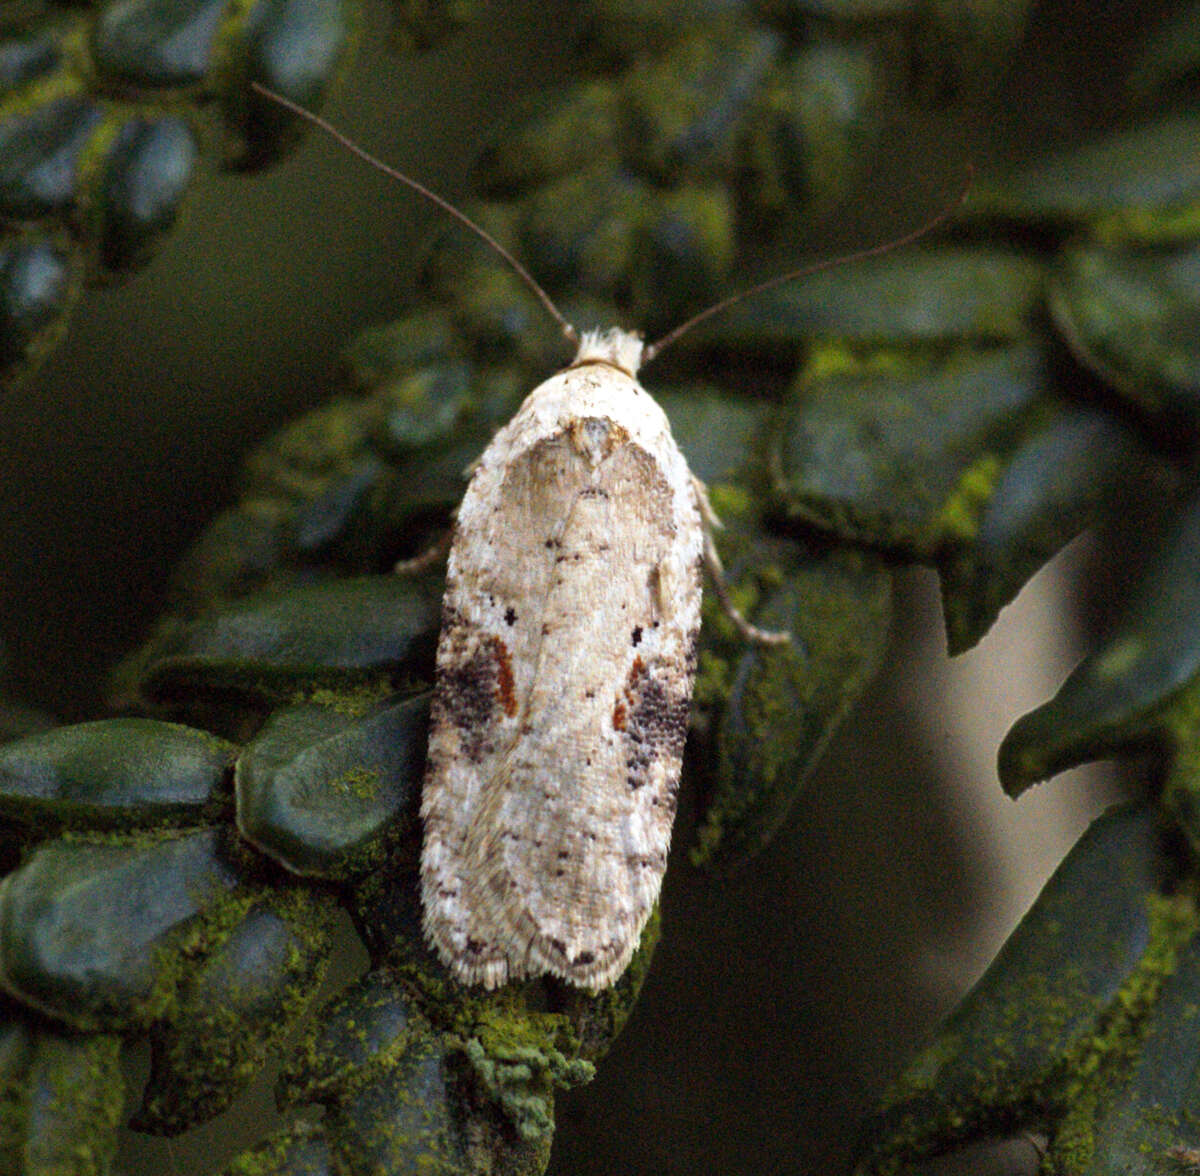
x: 717, y: 574
x: 721, y: 588
x: 434, y: 554
x: 437, y: 551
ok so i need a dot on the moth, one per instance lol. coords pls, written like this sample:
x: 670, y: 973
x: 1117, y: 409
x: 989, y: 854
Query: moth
x: 565, y: 662
x: 564, y: 679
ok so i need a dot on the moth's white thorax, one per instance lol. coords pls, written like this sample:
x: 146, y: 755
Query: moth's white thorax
x: 615, y: 347
x: 600, y: 383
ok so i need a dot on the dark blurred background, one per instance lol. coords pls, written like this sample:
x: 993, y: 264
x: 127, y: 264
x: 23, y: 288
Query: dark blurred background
x: 781, y: 1001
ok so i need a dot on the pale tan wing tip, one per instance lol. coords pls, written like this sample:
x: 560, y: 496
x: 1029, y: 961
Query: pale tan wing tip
x: 491, y: 974
x: 496, y: 972
x: 595, y: 979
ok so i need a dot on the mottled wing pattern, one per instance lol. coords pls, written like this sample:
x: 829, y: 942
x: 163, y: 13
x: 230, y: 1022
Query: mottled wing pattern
x: 565, y: 671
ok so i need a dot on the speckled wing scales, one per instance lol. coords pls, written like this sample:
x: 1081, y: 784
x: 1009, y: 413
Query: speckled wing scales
x: 565, y: 671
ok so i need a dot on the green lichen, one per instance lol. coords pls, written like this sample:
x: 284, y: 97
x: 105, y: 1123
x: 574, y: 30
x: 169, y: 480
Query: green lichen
x: 341, y: 1054
x: 1147, y: 226
x: 1180, y: 721
x: 299, y: 461
x: 1074, y: 1145
x: 713, y: 678
x: 396, y: 1113
x: 519, y: 1065
x: 708, y: 217
x: 565, y: 133
x: 358, y: 783
x: 229, y: 1011
x: 73, y: 1132
x: 731, y: 501
x: 667, y: 98
x: 958, y: 519
x: 776, y: 706
x: 830, y: 359
x: 1120, y: 659
x: 273, y: 1155
x: 767, y: 712
x: 1091, y: 1074
x: 354, y: 699
x: 1052, y: 1031
x: 921, y: 1074
x: 50, y: 87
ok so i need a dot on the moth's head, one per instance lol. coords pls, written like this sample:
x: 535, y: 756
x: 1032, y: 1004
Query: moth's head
x: 615, y: 347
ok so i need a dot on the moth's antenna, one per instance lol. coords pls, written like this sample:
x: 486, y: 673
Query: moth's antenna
x: 317, y: 121
x: 659, y: 345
